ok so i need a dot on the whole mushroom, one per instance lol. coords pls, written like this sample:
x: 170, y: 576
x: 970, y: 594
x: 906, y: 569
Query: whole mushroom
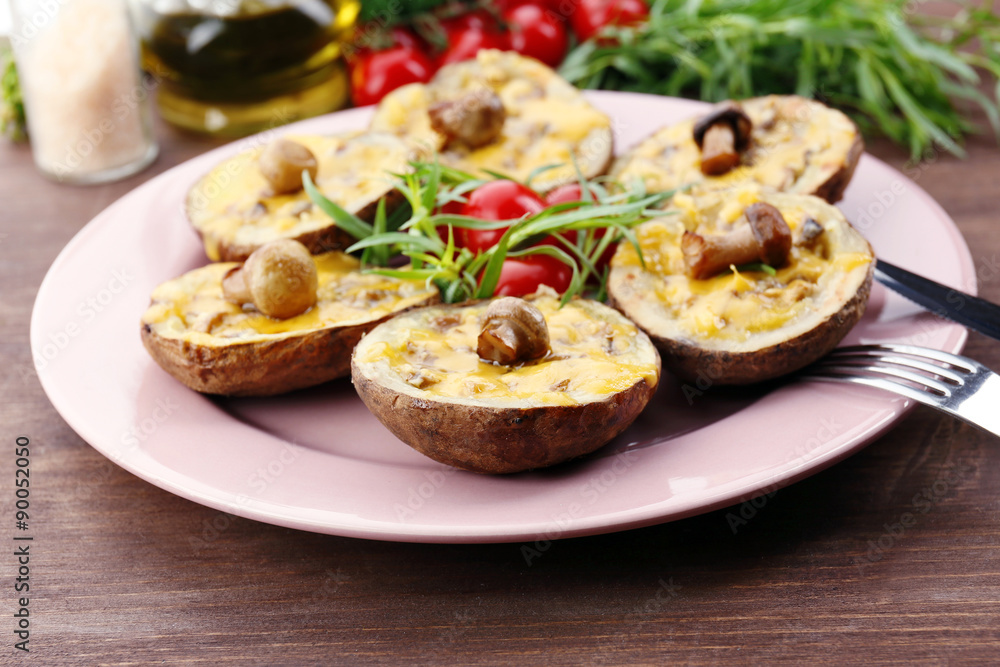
x: 280, y: 280
x: 473, y: 120
x: 513, y: 331
x: 282, y: 163
x: 722, y: 135
x: 767, y: 238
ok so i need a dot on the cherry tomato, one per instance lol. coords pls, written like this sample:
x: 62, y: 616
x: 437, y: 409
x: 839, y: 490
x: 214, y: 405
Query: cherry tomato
x: 467, y: 34
x: 559, y: 9
x: 375, y: 74
x: 564, y: 193
x: 592, y: 15
x: 523, y: 275
x: 560, y: 195
x: 407, y: 38
x: 569, y: 193
x: 496, y: 200
x: 451, y: 208
x: 536, y: 32
x: 372, y: 37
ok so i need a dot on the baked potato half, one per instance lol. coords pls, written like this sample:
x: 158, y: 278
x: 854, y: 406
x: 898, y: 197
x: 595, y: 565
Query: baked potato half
x: 213, y: 345
x: 422, y: 376
x: 236, y: 209
x: 794, y: 145
x: 505, y: 113
x: 744, y: 325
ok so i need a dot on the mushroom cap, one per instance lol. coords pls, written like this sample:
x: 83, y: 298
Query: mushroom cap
x: 282, y: 278
x: 773, y: 236
x: 474, y: 119
x: 725, y: 112
x: 513, y: 331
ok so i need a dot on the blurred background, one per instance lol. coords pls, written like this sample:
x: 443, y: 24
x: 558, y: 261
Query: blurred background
x: 908, y: 71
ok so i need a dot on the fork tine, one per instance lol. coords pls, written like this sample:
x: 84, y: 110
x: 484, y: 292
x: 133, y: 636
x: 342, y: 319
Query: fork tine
x: 961, y: 387
x: 890, y: 386
x: 963, y: 363
x: 845, y: 367
x: 855, y: 358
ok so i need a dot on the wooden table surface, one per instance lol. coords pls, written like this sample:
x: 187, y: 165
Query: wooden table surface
x: 823, y: 570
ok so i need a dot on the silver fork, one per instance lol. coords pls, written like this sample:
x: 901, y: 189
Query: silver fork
x: 956, y: 385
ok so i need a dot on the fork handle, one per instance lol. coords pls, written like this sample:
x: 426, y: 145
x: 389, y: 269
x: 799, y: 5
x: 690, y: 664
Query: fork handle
x: 950, y: 303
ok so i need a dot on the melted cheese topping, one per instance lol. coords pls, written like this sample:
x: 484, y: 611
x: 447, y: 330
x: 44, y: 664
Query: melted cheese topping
x: 734, y: 309
x: 193, y: 307
x: 548, y: 120
x: 234, y: 204
x: 595, y: 352
x: 797, y: 145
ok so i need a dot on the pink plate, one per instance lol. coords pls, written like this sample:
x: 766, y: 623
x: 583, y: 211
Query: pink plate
x: 317, y: 460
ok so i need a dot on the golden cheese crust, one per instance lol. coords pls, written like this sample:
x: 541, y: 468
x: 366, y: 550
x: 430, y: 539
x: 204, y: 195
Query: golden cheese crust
x: 235, y: 211
x: 421, y: 376
x: 217, y: 347
x: 741, y: 327
x: 548, y: 120
x: 797, y: 145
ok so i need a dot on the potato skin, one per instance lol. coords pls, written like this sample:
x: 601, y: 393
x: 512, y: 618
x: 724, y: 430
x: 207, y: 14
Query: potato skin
x: 833, y: 190
x: 264, y: 368
x: 317, y: 241
x: 501, y: 440
x: 605, y: 143
x: 690, y: 362
x: 594, y: 152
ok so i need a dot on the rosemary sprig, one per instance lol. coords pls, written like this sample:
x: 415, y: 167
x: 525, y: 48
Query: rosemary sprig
x: 895, y: 71
x: 427, y: 236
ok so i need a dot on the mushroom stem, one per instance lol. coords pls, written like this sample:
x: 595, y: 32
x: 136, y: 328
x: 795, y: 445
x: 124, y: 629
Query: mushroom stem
x: 766, y: 238
x: 513, y: 331
x: 234, y: 286
x: 718, y: 153
x: 706, y: 256
x: 722, y: 134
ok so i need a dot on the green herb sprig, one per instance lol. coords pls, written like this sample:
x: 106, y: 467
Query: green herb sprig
x: 427, y: 237
x: 896, y: 71
x: 12, y: 120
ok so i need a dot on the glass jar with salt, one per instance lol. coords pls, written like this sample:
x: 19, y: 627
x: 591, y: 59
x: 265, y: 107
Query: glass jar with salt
x: 87, y: 104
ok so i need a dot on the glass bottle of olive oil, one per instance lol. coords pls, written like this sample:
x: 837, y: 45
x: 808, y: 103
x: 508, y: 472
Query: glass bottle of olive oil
x: 232, y: 67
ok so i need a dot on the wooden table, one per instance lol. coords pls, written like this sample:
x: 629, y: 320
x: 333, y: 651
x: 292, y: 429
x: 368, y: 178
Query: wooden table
x: 823, y: 571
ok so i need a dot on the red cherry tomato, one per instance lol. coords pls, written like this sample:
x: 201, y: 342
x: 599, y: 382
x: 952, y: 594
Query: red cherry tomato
x: 536, y: 32
x: 496, y: 200
x: 560, y: 9
x: 407, y: 38
x: 564, y: 193
x: 569, y: 193
x: 375, y: 74
x: 592, y: 15
x: 451, y: 208
x: 371, y: 38
x: 467, y: 34
x: 523, y: 275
